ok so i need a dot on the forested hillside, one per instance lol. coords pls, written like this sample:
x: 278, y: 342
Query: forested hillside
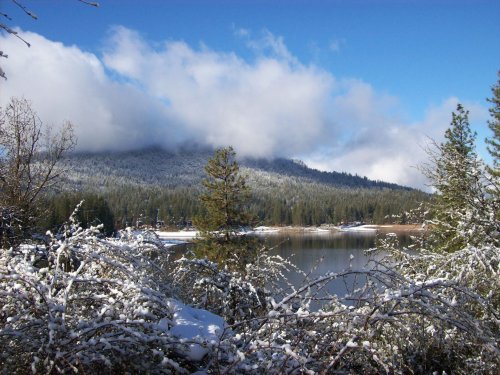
x: 156, y: 186
x: 184, y: 167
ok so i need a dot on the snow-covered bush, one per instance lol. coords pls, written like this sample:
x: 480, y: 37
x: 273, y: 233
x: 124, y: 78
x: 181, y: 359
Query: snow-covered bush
x: 92, y: 305
x: 448, y: 308
x: 421, y: 313
x: 89, y: 304
x: 236, y: 294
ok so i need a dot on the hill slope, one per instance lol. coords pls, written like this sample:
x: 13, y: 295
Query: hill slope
x: 186, y: 168
x: 155, y: 185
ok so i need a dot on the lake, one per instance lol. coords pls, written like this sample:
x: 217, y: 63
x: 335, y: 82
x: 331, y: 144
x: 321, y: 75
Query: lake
x: 318, y: 253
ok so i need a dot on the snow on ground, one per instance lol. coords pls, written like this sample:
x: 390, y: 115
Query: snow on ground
x: 186, y: 236
x: 190, y: 324
x: 172, y: 242
x: 358, y: 228
x: 319, y: 230
x: 179, y: 235
x: 263, y: 229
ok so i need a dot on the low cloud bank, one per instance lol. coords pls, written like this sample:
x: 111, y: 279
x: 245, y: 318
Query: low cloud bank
x: 140, y: 94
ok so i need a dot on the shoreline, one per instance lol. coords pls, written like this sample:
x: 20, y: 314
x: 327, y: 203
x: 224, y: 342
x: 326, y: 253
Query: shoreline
x: 385, y: 228
x: 187, y: 235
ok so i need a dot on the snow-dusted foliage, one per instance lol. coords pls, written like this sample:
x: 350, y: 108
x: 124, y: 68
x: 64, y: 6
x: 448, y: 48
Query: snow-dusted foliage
x: 29, y: 155
x: 237, y: 295
x: 465, y: 209
x: 448, y: 307
x: 470, y: 220
x: 406, y: 312
x: 88, y: 304
x: 399, y: 324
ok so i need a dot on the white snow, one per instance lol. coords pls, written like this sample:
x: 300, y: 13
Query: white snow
x: 182, y: 234
x: 318, y: 230
x: 263, y: 229
x: 199, y: 328
x: 358, y: 228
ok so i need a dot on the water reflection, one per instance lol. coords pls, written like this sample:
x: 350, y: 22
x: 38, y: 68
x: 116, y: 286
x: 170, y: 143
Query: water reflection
x: 334, y: 249
x: 319, y: 253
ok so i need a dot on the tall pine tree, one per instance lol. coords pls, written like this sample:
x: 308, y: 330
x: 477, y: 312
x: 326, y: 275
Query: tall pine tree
x: 225, y: 212
x: 455, y: 165
x: 456, y: 174
x: 494, y: 125
x: 494, y: 150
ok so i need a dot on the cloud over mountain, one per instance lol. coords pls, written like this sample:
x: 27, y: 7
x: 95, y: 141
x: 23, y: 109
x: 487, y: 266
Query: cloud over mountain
x: 140, y: 93
x: 220, y: 99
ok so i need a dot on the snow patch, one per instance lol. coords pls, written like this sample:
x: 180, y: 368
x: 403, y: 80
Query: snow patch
x: 358, y: 228
x: 182, y: 234
x: 263, y: 229
x: 198, y: 328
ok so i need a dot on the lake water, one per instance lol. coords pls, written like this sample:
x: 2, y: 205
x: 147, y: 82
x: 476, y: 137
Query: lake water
x: 319, y: 253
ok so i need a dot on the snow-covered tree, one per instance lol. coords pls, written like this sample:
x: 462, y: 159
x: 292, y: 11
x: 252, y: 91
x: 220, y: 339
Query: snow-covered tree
x: 29, y: 154
x: 225, y: 210
x: 93, y: 305
x: 493, y: 142
x: 494, y: 125
x: 461, y: 209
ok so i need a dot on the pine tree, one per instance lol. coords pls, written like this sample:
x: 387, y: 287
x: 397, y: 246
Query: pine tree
x: 461, y: 209
x: 454, y: 168
x: 226, y: 195
x: 493, y: 143
x: 225, y: 210
x: 494, y: 125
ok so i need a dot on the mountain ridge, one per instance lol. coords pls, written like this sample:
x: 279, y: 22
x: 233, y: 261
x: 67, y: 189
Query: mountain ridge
x: 154, y: 185
x: 185, y: 167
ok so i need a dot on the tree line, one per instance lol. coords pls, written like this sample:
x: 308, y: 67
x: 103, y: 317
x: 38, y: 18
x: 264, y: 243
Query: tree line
x: 292, y: 204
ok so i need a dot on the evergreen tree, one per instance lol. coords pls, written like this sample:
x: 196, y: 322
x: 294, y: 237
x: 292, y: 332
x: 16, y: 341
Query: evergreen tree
x: 494, y: 141
x: 224, y: 209
x: 226, y: 195
x: 93, y: 211
x: 461, y: 201
x: 454, y: 167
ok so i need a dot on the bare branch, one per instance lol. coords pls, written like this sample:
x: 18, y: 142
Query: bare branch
x: 25, y: 10
x: 92, y: 3
x: 6, y: 16
x: 13, y: 32
x: 33, y: 16
x: 27, y: 164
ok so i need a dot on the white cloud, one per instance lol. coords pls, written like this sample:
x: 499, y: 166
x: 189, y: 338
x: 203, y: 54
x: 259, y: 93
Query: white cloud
x: 241, y: 32
x: 141, y: 94
x: 66, y: 83
x: 272, y: 106
x: 272, y: 45
x: 380, y: 144
x: 336, y: 44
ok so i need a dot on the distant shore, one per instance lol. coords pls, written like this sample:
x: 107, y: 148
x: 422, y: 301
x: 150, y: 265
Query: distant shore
x: 333, y: 228
x: 187, y: 235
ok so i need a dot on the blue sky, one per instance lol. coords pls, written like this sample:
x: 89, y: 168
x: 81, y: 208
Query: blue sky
x: 336, y: 83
